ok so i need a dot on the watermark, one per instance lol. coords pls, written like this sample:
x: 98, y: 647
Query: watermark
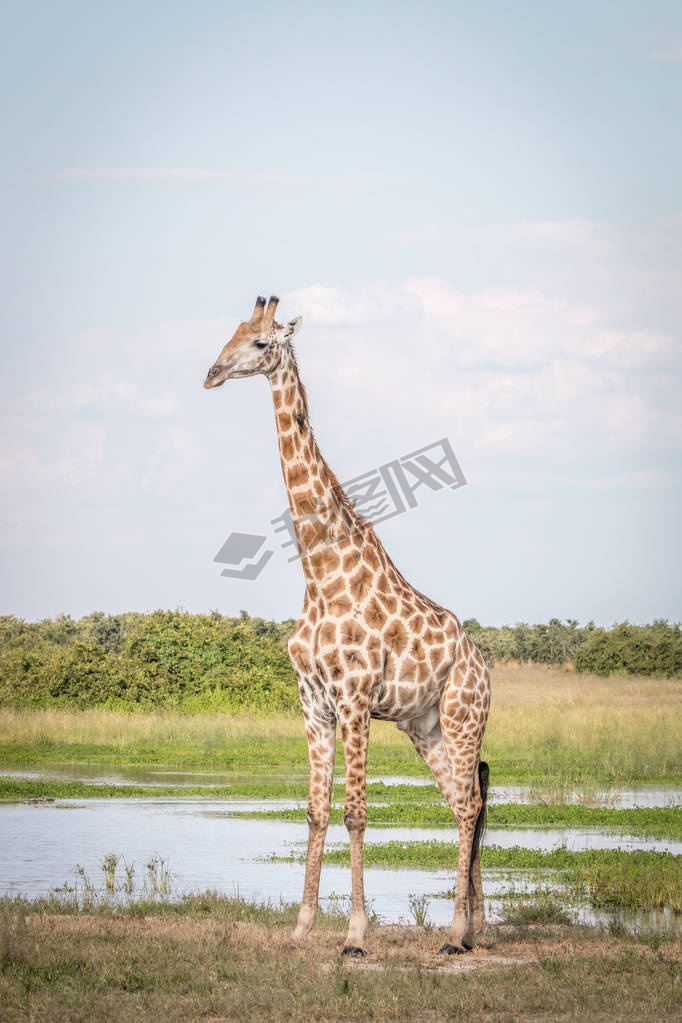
x: 380, y: 494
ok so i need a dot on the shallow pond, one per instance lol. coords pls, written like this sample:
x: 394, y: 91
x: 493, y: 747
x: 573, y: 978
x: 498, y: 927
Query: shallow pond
x: 207, y: 848
x: 163, y: 776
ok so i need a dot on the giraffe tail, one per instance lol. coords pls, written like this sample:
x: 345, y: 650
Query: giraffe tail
x: 479, y: 830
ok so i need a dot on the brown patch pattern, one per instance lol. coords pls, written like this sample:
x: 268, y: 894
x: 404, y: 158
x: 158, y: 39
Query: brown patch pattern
x: 367, y: 639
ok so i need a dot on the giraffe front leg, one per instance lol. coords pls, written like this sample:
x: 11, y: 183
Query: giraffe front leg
x: 321, y: 747
x: 354, y: 724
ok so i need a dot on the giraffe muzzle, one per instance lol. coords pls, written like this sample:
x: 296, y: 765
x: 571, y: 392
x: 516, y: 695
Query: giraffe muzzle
x: 216, y: 376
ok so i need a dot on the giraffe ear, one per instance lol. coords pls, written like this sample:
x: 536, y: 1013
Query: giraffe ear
x: 292, y: 328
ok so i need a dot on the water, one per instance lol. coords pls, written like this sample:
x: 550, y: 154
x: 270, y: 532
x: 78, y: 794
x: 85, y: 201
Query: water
x: 149, y: 777
x: 40, y: 845
x: 208, y: 849
x: 644, y: 796
x: 160, y: 776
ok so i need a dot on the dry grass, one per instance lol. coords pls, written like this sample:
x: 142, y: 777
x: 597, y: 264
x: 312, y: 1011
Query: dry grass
x: 630, y: 727
x: 100, y: 727
x: 528, y: 702
x: 111, y: 969
x: 110, y: 728
x: 535, y: 693
x: 544, y: 724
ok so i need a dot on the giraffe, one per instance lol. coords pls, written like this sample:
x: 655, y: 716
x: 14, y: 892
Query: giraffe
x: 367, y: 645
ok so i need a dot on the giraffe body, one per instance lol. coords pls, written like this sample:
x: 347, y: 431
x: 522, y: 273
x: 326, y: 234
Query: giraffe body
x: 367, y: 645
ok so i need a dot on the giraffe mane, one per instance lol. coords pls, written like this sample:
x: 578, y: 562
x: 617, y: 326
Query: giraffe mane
x: 340, y: 494
x: 294, y: 361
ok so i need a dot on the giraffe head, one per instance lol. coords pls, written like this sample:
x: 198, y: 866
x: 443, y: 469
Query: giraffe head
x: 256, y: 347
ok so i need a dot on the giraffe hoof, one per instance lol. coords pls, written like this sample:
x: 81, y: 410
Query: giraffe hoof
x: 452, y: 950
x: 466, y: 946
x: 353, y: 950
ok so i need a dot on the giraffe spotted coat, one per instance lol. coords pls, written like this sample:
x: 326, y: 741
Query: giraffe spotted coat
x: 367, y: 645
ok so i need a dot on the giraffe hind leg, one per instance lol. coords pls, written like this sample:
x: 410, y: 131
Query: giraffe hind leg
x: 476, y: 905
x: 427, y: 738
x: 464, y: 706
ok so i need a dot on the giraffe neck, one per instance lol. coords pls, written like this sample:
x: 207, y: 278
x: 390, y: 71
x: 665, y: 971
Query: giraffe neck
x: 322, y: 515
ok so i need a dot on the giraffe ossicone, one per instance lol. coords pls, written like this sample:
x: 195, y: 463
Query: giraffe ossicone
x: 367, y: 645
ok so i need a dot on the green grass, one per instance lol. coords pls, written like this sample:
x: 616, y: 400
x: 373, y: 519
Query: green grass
x: 547, y: 727
x: 252, y: 752
x: 541, y: 908
x: 218, y: 959
x: 540, y: 766
x: 209, y: 904
x: 29, y: 788
x: 231, y: 752
x: 657, y: 822
x: 605, y: 877
x: 23, y: 788
x: 654, y: 822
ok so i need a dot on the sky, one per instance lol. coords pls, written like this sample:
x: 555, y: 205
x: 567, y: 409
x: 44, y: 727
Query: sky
x: 477, y: 210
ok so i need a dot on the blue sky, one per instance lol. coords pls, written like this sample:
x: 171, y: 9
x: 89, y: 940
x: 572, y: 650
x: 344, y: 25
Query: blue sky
x: 478, y: 212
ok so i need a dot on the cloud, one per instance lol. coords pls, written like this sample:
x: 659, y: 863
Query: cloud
x: 39, y: 454
x: 105, y: 396
x: 196, y: 175
x: 123, y: 398
x: 669, y: 55
x: 169, y: 465
x: 630, y: 274
x: 510, y: 374
x: 379, y: 302
x: 566, y: 371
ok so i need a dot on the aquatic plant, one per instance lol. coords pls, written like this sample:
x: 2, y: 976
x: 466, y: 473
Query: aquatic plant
x: 605, y: 877
x: 108, y: 866
x: 89, y: 896
x: 129, y: 868
x: 542, y: 907
x: 559, y: 791
x: 159, y: 876
x: 419, y: 907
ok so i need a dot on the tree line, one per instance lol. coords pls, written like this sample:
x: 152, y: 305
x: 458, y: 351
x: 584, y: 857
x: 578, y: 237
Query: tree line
x: 624, y: 649
x: 204, y: 662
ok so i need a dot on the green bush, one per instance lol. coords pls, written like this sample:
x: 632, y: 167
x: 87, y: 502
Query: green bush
x: 165, y: 659
x: 554, y: 643
x: 626, y: 649
x: 208, y: 662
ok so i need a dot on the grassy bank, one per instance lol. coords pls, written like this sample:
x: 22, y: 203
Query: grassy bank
x: 213, y: 958
x: 605, y: 877
x: 547, y: 727
x: 654, y: 822
x: 269, y: 788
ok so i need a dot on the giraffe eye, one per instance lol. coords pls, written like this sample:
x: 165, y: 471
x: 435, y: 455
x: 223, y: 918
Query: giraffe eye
x: 260, y: 344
